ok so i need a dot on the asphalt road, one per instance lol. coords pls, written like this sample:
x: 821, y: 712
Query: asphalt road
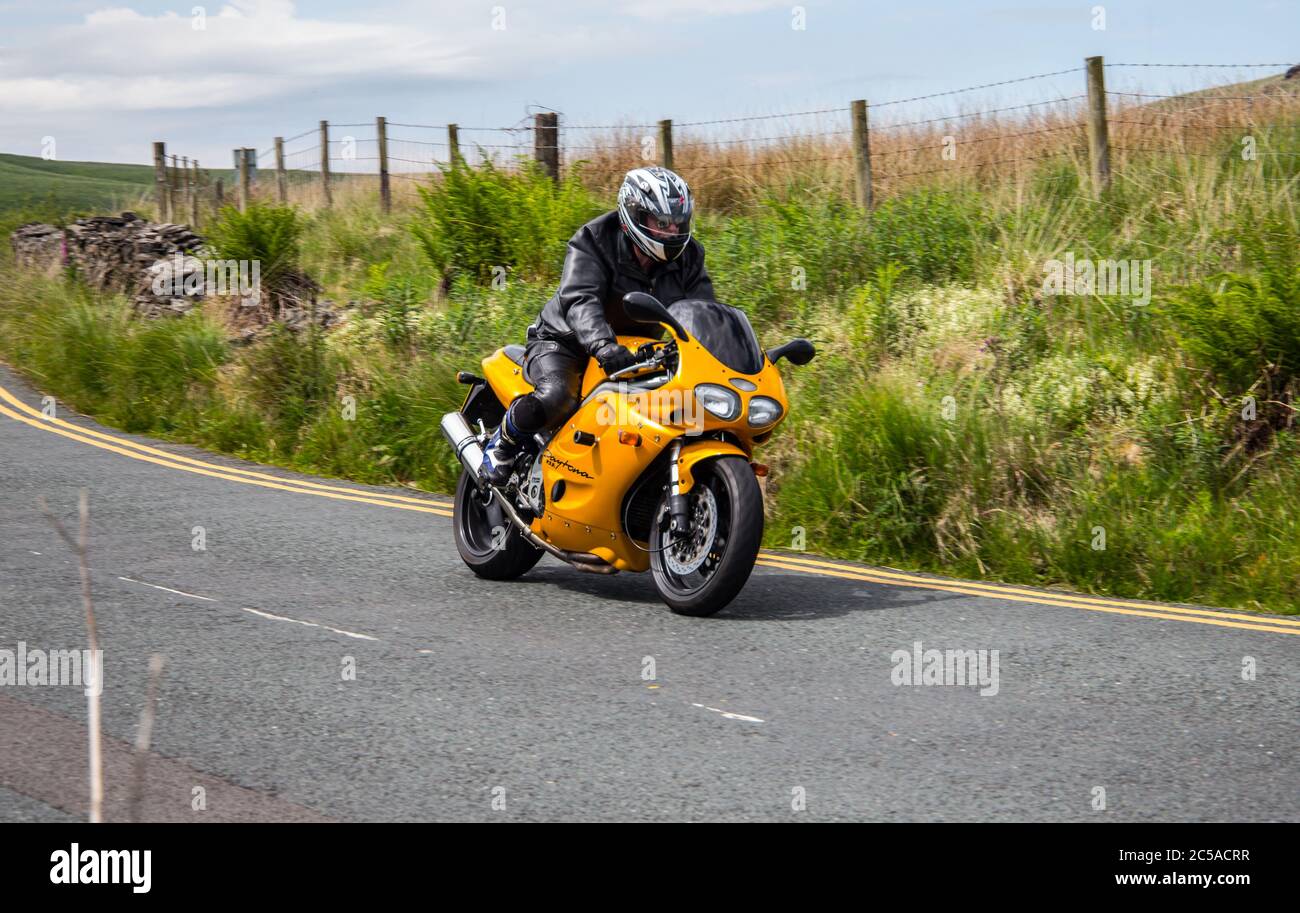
x: 529, y: 700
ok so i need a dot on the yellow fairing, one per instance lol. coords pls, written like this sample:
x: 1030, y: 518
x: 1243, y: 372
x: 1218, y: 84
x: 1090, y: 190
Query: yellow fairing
x: 698, y: 452
x: 599, y: 475
x: 505, y: 377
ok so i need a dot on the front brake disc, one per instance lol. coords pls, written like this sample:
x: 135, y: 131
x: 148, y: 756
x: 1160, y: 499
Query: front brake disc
x: 685, y: 555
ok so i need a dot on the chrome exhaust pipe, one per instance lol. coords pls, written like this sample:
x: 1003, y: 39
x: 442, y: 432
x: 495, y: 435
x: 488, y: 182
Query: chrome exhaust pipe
x: 464, y: 442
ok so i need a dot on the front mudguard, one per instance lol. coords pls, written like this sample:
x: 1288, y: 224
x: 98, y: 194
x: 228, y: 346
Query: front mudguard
x: 697, y: 452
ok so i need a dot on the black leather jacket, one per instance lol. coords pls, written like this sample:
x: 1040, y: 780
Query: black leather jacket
x: 599, y: 269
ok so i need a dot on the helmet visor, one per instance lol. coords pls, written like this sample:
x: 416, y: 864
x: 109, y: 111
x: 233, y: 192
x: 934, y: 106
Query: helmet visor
x: 669, y: 230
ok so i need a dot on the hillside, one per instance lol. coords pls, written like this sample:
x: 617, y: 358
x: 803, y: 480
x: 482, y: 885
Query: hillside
x: 29, y: 182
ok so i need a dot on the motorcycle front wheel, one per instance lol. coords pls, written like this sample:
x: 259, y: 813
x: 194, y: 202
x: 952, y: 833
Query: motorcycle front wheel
x: 700, y: 573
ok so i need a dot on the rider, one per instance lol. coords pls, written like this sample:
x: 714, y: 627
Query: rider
x: 643, y: 246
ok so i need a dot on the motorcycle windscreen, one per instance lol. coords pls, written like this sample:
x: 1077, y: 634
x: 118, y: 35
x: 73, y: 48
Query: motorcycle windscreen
x: 723, y: 330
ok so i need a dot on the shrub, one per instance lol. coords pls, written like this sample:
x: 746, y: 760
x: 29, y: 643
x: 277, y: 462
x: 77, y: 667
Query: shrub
x: 476, y: 221
x: 398, y: 298
x: 1244, y: 329
x: 934, y: 234
x: 779, y: 260
x: 270, y: 235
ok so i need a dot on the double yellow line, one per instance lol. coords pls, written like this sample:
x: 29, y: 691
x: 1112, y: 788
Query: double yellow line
x: 1271, y: 623
x: 14, y: 408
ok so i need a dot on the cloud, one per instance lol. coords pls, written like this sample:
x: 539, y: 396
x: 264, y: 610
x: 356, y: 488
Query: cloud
x: 248, y: 51
x: 694, y: 9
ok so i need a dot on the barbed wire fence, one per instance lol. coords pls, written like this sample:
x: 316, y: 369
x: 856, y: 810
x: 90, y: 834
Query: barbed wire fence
x: 862, y: 150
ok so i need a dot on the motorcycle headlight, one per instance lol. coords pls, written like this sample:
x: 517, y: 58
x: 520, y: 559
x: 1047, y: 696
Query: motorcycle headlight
x: 763, y: 410
x: 718, y: 400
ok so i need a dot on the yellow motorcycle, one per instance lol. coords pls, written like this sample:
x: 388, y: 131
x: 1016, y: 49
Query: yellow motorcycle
x: 653, y: 471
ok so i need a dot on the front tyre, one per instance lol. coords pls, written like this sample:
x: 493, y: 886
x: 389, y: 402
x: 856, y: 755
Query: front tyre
x: 487, y: 541
x: 700, y: 573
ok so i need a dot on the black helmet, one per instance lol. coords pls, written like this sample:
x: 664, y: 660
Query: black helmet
x: 654, y: 205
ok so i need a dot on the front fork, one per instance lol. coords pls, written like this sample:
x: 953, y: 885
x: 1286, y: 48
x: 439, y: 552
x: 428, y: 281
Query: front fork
x: 686, y: 458
x: 679, y: 517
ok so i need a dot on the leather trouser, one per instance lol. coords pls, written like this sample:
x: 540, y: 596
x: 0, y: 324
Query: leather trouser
x: 556, y: 375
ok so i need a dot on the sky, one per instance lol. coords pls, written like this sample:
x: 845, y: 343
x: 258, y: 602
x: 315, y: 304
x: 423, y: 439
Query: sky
x: 103, y: 79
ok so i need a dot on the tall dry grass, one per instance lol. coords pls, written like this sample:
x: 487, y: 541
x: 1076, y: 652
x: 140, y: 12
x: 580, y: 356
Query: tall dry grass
x: 732, y: 165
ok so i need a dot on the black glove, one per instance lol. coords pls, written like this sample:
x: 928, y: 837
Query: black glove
x: 613, y: 357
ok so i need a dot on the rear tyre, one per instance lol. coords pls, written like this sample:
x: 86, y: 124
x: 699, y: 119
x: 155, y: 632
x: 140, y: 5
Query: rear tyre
x: 488, y: 542
x: 700, y: 574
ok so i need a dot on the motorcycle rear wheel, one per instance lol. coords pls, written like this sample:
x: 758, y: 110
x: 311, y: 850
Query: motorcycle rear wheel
x: 487, y: 541
x: 701, y: 574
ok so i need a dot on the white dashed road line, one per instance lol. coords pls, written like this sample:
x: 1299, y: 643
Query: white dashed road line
x: 309, y: 624
x: 729, y: 715
x: 167, y: 589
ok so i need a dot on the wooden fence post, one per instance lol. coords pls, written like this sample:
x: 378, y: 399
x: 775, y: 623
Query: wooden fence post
x: 160, y: 179
x: 244, y: 180
x: 666, y: 144
x: 546, y: 143
x: 174, y: 209
x: 218, y: 195
x: 1098, y: 131
x: 862, y: 154
x: 325, y: 162
x: 281, y: 179
x: 194, y: 194
x: 453, y: 144
x: 385, y: 192
x: 184, y: 178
